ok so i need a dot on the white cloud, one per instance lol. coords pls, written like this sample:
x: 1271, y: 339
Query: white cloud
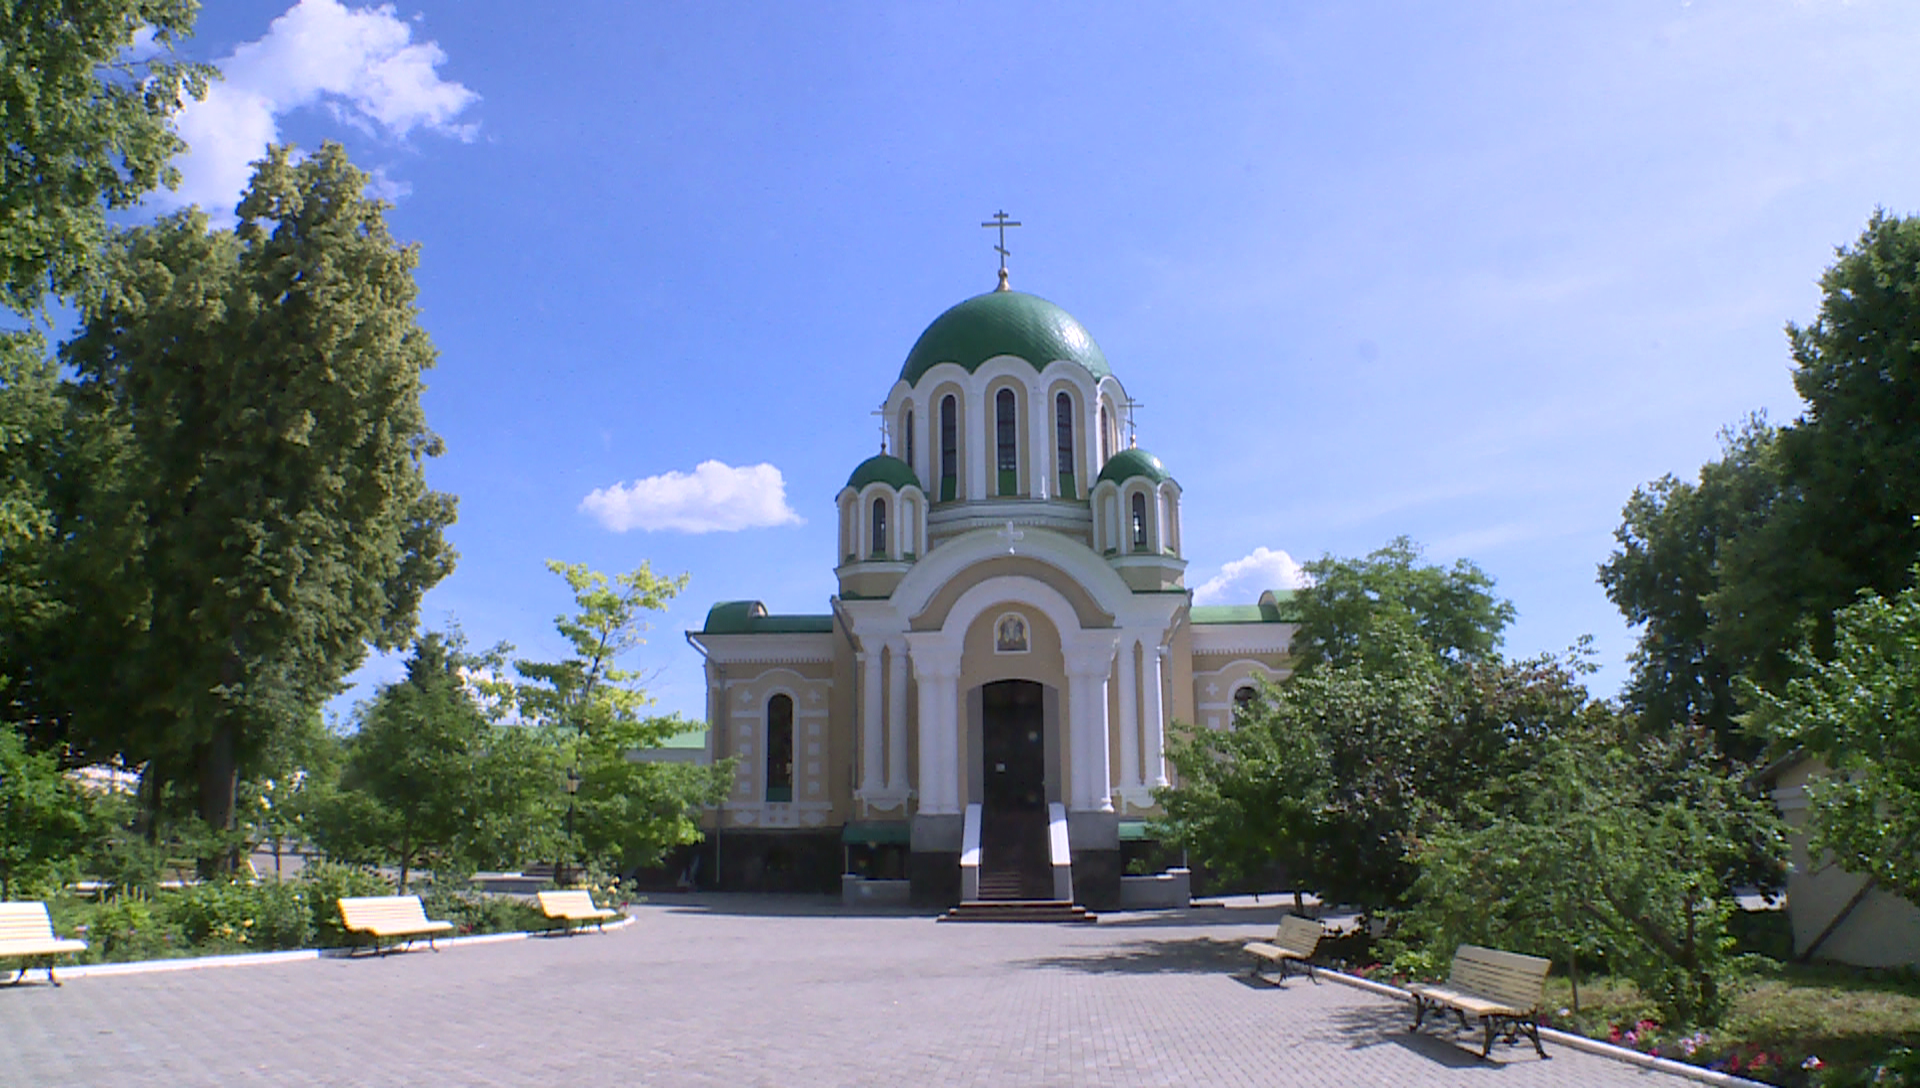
x: 1264, y: 569
x: 714, y: 497
x: 361, y: 64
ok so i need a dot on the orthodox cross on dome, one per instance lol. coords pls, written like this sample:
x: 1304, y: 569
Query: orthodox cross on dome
x: 1133, y: 429
x: 885, y: 432
x: 1001, y: 223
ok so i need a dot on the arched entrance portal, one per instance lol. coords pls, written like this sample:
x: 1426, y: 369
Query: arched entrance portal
x: 1013, y: 747
x: 1014, y: 863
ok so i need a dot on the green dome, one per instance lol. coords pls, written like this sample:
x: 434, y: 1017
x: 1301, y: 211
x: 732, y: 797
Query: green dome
x: 1127, y: 464
x: 1003, y: 323
x: 883, y: 468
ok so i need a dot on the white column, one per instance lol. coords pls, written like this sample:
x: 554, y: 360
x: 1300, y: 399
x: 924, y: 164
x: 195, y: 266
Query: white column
x: 1129, y: 716
x: 1092, y: 789
x: 897, y: 718
x: 1153, y: 710
x: 977, y: 432
x: 938, y: 676
x: 1040, y: 478
x: 870, y: 734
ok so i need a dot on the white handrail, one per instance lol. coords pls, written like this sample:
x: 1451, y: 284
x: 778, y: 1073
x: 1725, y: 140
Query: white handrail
x: 970, y: 855
x: 1060, y: 851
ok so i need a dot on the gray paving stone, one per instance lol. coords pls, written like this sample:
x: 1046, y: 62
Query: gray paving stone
x: 763, y: 991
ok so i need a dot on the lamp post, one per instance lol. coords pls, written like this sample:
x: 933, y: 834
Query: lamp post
x: 565, y: 875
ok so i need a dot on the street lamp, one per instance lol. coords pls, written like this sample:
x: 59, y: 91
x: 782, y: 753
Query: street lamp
x: 564, y: 876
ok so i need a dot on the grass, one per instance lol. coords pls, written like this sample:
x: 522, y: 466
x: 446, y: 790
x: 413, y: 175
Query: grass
x: 1850, y: 1020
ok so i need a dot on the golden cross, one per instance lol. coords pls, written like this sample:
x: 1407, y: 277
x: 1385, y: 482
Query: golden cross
x: 1001, y: 223
x: 1133, y: 429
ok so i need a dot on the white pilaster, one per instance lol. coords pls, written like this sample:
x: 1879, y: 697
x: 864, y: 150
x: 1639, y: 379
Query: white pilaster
x: 1129, y: 715
x: 897, y: 718
x: 870, y: 726
x: 936, y: 668
x: 1088, y: 667
x: 1039, y: 442
x: 978, y: 438
x: 1153, y: 710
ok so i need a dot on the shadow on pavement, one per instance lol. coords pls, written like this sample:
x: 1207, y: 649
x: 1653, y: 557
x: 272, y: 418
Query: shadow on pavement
x: 1444, y: 1043
x: 1199, y: 955
x: 752, y: 904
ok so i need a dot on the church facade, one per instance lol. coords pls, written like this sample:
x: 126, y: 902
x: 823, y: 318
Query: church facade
x: 982, y: 711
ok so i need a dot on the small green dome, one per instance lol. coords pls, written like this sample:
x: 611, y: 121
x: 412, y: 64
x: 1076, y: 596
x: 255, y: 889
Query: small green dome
x: 883, y: 468
x: 1127, y: 464
x: 1003, y: 323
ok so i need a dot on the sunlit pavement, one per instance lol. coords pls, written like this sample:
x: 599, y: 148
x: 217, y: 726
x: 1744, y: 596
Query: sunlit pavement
x: 736, y: 990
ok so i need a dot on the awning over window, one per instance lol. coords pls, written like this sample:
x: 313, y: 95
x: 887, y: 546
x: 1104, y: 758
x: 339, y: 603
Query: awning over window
x: 877, y: 833
x: 1135, y: 831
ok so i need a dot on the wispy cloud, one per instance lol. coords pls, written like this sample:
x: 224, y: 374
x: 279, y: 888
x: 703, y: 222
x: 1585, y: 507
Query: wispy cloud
x: 1263, y: 569
x: 360, y: 64
x: 713, y: 498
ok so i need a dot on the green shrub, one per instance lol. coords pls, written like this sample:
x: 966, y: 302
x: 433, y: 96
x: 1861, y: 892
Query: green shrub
x: 124, y: 927
x: 259, y: 917
x: 324, y: 882
x: 479, y: 912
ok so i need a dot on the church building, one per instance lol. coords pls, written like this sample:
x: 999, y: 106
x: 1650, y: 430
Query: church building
x: 982, y: 711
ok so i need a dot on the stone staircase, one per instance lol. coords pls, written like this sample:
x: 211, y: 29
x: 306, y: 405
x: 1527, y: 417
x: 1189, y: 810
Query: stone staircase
x: 1016, y: 875
x: 1019, y: 910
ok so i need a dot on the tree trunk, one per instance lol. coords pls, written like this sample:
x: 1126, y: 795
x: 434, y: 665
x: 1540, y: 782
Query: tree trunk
x: 219, y: 780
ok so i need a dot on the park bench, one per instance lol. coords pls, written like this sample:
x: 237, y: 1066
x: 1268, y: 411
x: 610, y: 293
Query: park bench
x: 574, y: 910
x: 26, y: 934
x: 1294, y: 942
x: 395, y: 918
x: 1502, y: 989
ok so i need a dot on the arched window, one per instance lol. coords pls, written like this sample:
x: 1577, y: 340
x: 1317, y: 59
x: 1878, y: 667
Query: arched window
x: 1106, y: 443
x: 949, y: 447
x: 1139, y: 520
x: 879, y: 549
x: 780, y: 748
x: 906, y: 441
x: 1006, y: 437
x: 1243, y: 699
x: 1063, y: 441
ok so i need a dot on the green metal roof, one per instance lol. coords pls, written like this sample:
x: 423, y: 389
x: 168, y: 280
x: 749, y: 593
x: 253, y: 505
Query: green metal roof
x: 1134, y: 831
x: 692, y: 738
x: 886, y: 469
x: 751, y: 618
x: 1134, y: 462
x: 1003, y: 323
x: 877, y: 832
x: 1276, y: 606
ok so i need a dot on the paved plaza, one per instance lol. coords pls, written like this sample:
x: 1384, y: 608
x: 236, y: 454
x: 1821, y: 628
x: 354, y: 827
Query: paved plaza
x: 734, y: 991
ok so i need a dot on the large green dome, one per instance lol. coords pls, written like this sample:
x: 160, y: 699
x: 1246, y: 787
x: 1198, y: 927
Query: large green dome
x: 1003, y: 323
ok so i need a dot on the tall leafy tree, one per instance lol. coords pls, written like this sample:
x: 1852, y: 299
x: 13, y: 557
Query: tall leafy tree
x: 628, y: 812
x: 1667, y: 572
x: 1356, y: 608
x: 1858, y: 711
x: 432, y: 780
x: 268, y: 517
x: 87, y: 92
x: 43, y: 817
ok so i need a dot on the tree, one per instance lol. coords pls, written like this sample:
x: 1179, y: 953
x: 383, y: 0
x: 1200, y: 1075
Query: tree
x: 1618, y: 843
x: 627, y: 813
x: 431, y: 780
x: 268, y: 516
x: 43, y: 816
x: 1667, y: 572
x: 86, y: 127
x: 1351, y: 607
x: 1859, y: 713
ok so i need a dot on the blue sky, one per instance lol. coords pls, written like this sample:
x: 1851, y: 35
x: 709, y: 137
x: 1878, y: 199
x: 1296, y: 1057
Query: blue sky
x: 1464, y: 272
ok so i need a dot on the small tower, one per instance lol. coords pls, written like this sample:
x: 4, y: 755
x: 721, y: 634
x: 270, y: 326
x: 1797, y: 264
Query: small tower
x: 883, y: 526
x: 1136, y: 521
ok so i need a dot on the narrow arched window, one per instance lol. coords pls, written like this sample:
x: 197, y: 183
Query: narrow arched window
x: 1139, y: 519
x: 1243, y: 701
x: 906, y: 440
x: 780, y: 748
x: 1106, y: 436
x: 1063, y: 442
x: 949, y: 448
x: 1006, y: 442
x: 879, y: 549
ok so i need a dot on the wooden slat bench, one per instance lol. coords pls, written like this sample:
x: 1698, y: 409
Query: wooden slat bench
x: 575, y: 910
x: 26, y: 935
x: 1294, y: 942
x: 1502, y: 989
x: 396, y: 918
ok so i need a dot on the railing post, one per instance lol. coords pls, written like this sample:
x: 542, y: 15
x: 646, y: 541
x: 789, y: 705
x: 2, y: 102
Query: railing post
x: 970, y: 855
x: 1060, y: 852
